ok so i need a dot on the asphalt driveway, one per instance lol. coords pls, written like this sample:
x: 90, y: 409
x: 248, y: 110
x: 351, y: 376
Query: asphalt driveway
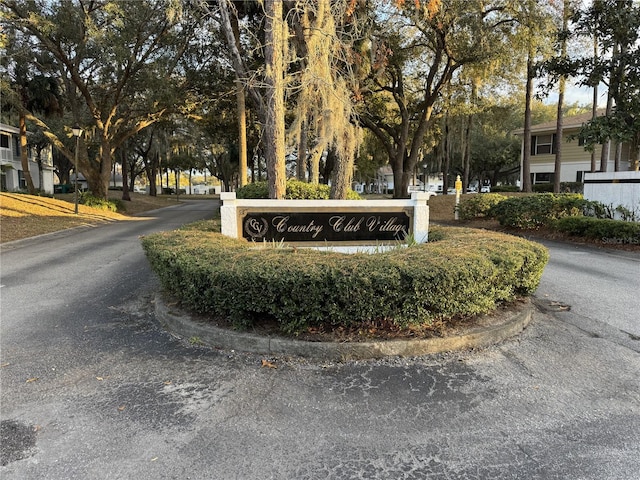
x: 93, y: 388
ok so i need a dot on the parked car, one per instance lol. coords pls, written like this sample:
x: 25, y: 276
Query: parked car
x: 485, y: 189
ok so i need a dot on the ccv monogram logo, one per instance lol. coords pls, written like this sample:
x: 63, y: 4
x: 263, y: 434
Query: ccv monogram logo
x: 256, y: 227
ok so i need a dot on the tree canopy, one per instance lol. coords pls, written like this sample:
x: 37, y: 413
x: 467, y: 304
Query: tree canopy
x: 412, y: 73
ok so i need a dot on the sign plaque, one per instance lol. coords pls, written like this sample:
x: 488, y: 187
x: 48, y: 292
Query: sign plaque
x: 336, y: 226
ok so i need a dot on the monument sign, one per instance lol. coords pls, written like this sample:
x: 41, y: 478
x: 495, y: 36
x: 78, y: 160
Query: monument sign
x: 322, y: 222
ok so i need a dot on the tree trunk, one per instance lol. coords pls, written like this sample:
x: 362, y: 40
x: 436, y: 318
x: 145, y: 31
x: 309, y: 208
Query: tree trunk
x: 274, y: 80
x: 615, y: 76
x: 558, y: 142
x: 401, y: 180
x: 242, y: 132
x: 152, y: 174
x: 330, y: 164
x: 301, y: 164
x: 526, y: 154
x: 125, y: 177
x: 594, y: 106
x: 97, y: 178
x: 618, y: 155
x: 634, y: 154
x: 314, y: 161
x: 241, y: 110
x: 466, y: 159
x: 606, y: 146
x: 446, y: 153
x: 561, y: 90
x: 341, y: 177
x: 24, y: 159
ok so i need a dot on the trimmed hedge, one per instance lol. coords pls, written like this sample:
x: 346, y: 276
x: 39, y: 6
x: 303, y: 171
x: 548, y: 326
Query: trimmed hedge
x: 534, y: 211
x: 296, y: 190
x: 467, y: 272
x: 474, y: 206
x: 603, y: 229
x: 565, y: 187
x: 504, y: 188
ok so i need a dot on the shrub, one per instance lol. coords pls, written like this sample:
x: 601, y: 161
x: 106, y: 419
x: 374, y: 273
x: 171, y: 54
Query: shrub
x: 534, y: 211
x: 597, y: 209
x: 296, y: 190
x: 572, y: 187
x: 505, y: 188
x: 473, y: 206
x: 565, y: 187
x: 112, y: 205
x: 542, y: 188
x: 603, y: 229
x: 466, y: 272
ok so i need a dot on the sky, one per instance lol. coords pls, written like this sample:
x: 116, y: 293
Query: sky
x: 581, y: 95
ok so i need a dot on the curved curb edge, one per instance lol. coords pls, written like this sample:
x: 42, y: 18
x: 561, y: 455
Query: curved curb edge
x: 183, y: 326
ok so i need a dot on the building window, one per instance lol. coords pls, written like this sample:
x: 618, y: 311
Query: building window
x: 22, y: 183
x: 580, y: 176
x: 542, y: 178
x: 543, y: 144
x: 4, y: 141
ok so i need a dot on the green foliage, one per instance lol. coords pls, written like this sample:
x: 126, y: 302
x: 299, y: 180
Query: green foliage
x: 296, y: 190
x: 504, y: 188
x: 627, y: 214
x: 600, y: 210
x: 565, y: 187
x: 112, y: 205
x: 542, y: 188
x: 572, y: 187
x: 473, y: 206
x: 466, y: 272
x: 603, y: 229
x: 534, y: 211
x: 253, y: 190
x: 618, y: 25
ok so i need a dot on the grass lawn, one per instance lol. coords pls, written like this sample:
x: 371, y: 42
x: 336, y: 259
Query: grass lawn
x: 23, y: 216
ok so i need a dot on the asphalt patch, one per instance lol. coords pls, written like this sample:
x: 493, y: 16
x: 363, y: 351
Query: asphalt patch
x: 17, y: 441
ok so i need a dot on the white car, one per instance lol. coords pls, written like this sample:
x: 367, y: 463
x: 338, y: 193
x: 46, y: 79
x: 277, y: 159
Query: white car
x: 485, y: 189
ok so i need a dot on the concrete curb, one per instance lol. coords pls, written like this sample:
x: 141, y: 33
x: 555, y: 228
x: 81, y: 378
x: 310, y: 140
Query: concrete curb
x: 490, y: 333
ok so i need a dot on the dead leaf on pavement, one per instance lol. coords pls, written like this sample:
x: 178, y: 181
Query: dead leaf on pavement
x: 267, y: 363
x: 560, y: 306
x: 32, y: 379
x: 121, y: 408
x: 5, y: 365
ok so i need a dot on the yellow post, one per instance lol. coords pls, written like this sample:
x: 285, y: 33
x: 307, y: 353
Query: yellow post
x: 458, y: 192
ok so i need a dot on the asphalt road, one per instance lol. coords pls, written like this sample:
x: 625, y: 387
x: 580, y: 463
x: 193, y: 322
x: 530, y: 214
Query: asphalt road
x: 92, y: 388
x: 602, y: 287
